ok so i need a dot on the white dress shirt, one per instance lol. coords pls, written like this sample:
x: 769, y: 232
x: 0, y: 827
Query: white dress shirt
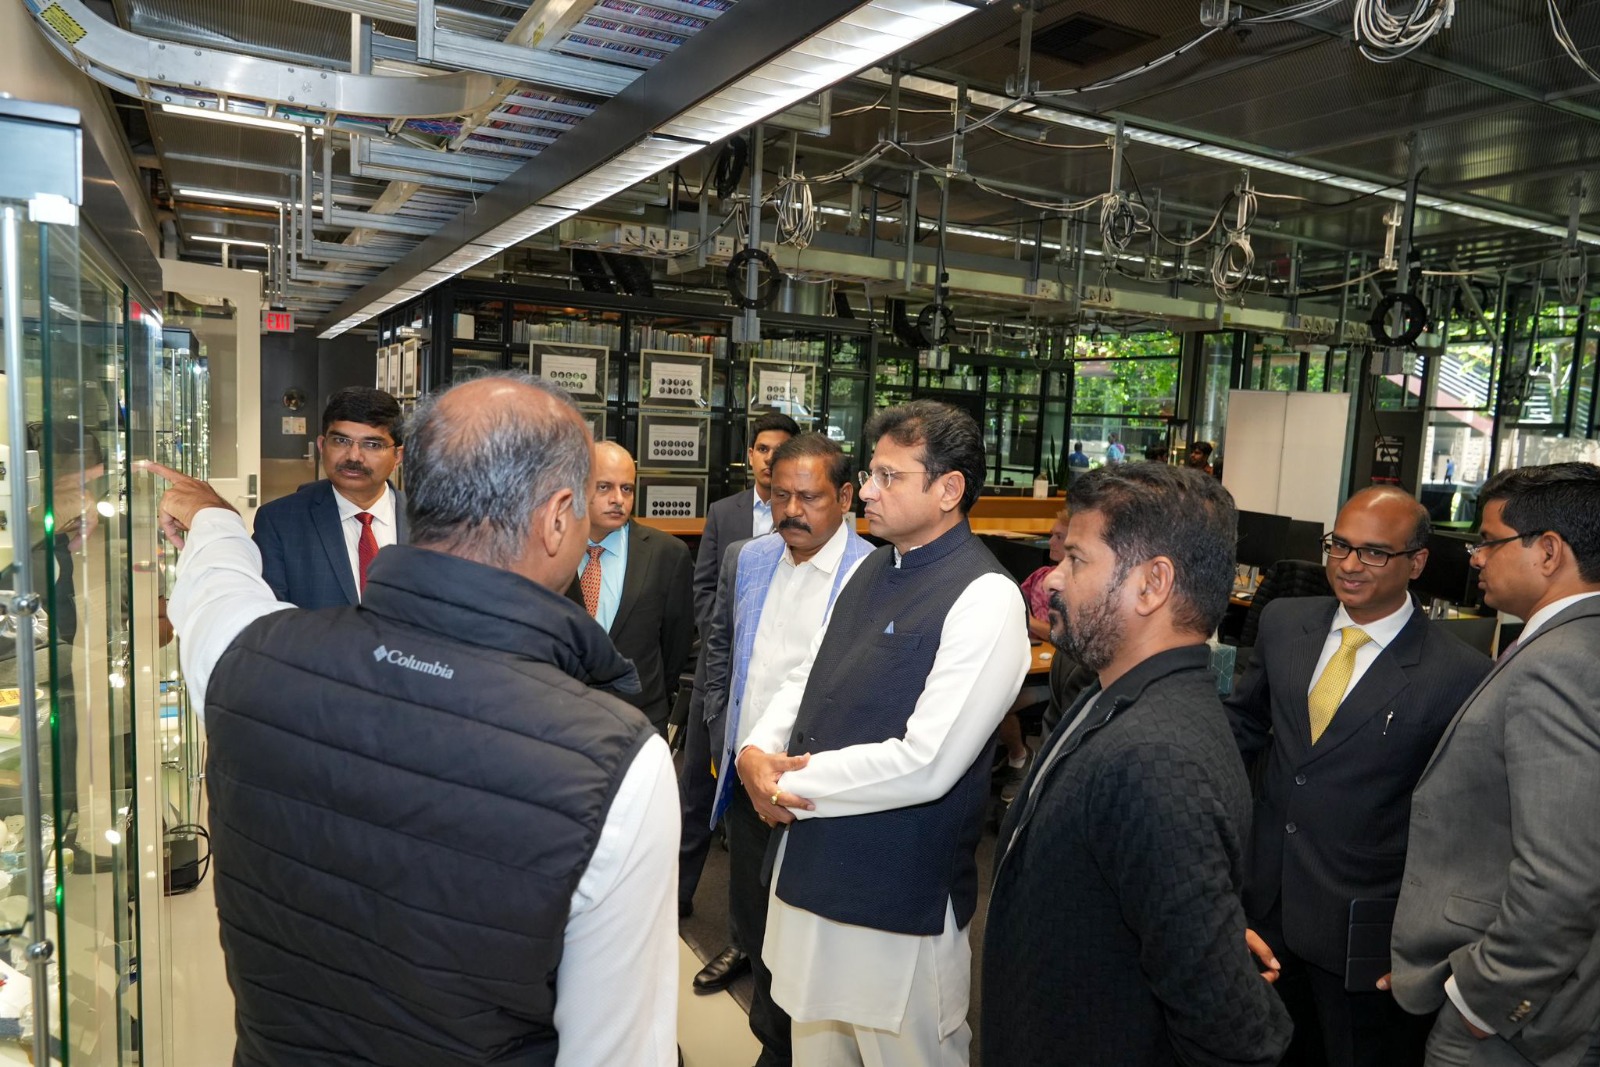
x: 824, y: 970
x: 383, y: 527
x: 1535, y: 621
x: 1382, y: 631
x: 791, y: 615
x: 616, y: 988
x: 761, y: 515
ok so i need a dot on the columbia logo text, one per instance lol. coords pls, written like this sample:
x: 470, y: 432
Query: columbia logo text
x: 384, y: 654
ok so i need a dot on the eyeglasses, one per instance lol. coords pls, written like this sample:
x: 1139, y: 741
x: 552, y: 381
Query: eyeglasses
x: 1371, y: 557
x: 366, y: 444
x: 1484, y: 546
x: 882, y: 478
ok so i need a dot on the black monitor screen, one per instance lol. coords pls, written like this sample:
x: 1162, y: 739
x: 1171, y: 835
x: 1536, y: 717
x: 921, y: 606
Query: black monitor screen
x: 1303, y: 541
x: 1262, y: 538
x: 1448, y: 575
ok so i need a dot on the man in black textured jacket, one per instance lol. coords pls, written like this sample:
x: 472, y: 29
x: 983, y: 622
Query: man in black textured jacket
x: 1116, y: 936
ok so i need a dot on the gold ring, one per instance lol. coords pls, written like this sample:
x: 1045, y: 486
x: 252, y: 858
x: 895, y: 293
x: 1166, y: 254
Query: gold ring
x: 775, y: 800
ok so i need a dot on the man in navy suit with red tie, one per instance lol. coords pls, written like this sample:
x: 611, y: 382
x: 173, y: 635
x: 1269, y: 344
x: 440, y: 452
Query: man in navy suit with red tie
x: 316, y: 544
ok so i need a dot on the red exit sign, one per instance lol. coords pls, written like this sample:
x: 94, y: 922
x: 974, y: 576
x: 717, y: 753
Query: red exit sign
x: 277, y: 321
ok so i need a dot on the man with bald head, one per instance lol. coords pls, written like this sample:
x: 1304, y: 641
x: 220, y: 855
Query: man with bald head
x: 637, y: 583
x: 438, y: 836
x: 1345, y: 698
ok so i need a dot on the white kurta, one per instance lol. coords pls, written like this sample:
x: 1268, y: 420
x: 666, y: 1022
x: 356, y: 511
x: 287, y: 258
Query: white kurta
x: 825, y: 970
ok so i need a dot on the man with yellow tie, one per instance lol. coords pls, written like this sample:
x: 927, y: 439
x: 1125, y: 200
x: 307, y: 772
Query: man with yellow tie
x: 1345, y: 699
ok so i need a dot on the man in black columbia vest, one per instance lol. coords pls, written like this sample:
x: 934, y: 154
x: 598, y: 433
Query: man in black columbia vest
x: 875, y: 754
x: 439, y: 839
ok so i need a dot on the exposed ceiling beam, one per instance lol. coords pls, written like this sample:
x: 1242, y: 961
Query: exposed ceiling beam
x: 746, y: 36
x: 405, y: 13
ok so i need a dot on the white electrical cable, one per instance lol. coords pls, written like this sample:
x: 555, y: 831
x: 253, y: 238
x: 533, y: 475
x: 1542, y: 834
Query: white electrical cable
x: 796, y: 214
x: 1384, y: 35
x: 1558, y: 26
x: 1116, y: 79
x: 1572, y: 275
x: 1122, y: 219
x: 1289, y: 14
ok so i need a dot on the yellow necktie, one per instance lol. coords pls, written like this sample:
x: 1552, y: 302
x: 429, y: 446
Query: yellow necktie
x: 1329, y: 690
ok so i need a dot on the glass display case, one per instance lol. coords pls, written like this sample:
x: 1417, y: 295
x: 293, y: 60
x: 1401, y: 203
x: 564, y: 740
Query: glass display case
x: 89, y: 385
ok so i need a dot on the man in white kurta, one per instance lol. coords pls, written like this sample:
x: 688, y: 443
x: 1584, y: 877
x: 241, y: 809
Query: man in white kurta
x: 860, y: 993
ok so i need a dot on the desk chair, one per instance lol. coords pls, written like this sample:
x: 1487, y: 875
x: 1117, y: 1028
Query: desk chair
x: 1287, y: 577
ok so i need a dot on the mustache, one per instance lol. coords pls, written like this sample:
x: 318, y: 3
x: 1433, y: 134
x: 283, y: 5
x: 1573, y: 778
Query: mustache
x: 353, y: 468
x: 795, y: 524
x: 1057, y: 605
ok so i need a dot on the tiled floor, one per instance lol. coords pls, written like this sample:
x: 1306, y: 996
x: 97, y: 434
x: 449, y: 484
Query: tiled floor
x: 712, y: 1030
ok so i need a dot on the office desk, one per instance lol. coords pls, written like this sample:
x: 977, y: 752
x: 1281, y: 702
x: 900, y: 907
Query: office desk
x: 1039, y: 665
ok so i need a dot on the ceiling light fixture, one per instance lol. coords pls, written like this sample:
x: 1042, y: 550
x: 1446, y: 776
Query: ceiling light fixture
x: 233, y: 118
x: 867, y: 35
x: 213, y: 239
x: 228, y: 198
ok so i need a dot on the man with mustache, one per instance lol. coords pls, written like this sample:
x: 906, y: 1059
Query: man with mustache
x: 747, y: 513
x: 317, y: 544
x: 635, y: 582
x: 1345, y: 698
x: 772, y: 598
x: 875, y: 757
x: 1116, y: 933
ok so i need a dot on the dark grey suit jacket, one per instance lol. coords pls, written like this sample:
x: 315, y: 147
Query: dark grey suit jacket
x: 1330, y: 824
x: 1502, y: 880
x: 654, y: 625
x: 303, y: 554
x: 728, y: 520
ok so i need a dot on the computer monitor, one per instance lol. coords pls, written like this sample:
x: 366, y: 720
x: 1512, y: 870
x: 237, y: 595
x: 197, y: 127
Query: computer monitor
x: 1302, y: 540
x: 1448, y: 575
x: 1262, y: 538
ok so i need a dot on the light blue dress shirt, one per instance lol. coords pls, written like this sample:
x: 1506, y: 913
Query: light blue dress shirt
x: 760, y: 517
x: 613, y: 568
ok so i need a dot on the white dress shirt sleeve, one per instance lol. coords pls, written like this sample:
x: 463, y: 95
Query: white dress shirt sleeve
x: 1461, y: 1005
x: 617, y: 987
x: 982, y: 659
x: 218, y: 593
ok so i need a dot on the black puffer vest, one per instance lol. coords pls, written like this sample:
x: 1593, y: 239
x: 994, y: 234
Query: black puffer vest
x: 404, y: 796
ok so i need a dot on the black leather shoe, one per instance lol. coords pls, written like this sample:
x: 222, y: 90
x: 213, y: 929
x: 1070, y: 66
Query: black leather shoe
x: 723, y: 970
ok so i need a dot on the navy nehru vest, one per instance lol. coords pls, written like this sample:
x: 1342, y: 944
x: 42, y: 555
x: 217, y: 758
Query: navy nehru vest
x: 890, y: 870
x: 404, y: 796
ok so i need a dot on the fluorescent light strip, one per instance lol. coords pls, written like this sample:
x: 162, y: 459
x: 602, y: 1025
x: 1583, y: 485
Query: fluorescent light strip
x: 649, y: 157
x: 214, y: 240
x: 228, y: 198
x: 943, y: 91
x: 234, y: 119
x: 866, y: 36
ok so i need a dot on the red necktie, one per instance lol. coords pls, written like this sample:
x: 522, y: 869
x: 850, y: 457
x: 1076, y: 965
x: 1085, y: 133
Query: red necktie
x: 590, y: 582
x: 367, y: 547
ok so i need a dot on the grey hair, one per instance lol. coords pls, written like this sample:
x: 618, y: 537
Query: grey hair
x: 475, y: 478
